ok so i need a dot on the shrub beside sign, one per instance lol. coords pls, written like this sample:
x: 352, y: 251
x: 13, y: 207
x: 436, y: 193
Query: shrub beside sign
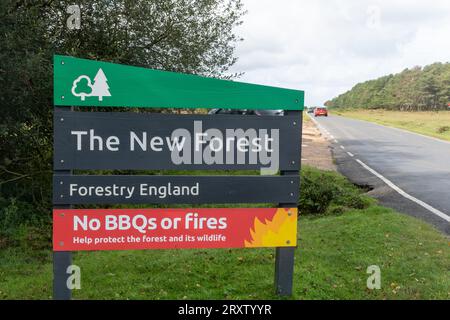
x: 151, y: 141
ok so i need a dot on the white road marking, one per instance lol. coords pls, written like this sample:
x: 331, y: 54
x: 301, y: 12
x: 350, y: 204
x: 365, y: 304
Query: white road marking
x: 342, y: 147
x: 303, y: 159
x: 404, y: 194
x: 317, y: 124
x: 350, y: 154
x: 323, y: 130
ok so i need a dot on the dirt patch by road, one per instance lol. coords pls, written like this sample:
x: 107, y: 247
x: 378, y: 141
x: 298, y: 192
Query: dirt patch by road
x: 316, y: 150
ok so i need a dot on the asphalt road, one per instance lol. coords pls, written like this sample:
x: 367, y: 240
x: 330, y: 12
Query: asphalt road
x: 407, y: 171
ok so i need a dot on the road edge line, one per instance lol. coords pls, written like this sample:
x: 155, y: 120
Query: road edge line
x: 433, y: 210
x: 320, y: 127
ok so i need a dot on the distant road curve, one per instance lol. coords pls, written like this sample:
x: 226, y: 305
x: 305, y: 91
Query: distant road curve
x: 415, y: 167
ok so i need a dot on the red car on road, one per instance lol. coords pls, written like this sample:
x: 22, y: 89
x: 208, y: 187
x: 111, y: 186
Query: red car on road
x: 320, y: 111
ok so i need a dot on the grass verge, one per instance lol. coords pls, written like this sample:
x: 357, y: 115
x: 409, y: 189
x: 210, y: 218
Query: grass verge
x: 431, y: 123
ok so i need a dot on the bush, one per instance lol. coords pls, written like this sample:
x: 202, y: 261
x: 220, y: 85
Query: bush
x: 22, y: 225
x: 443, y: 129
x: 328, y: 192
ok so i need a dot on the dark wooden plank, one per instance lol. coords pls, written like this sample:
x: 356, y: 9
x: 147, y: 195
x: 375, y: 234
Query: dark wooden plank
x: 90, y: 189
x: 79, y: 135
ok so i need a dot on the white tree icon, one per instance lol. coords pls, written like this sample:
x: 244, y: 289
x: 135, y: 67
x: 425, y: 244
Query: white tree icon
x: 100, y: 87
x: 83, y: 95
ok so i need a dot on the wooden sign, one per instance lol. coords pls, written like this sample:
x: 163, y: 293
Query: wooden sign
x: 86, y: 140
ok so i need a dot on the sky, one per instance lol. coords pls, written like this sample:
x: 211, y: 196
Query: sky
x: 325, y: 47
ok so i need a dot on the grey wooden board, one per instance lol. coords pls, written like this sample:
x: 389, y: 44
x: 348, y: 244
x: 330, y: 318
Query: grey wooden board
x: 119, y: 124
x: 198, y: 189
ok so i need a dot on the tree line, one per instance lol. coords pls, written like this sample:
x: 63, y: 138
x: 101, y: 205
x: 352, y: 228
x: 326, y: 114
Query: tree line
x: 416, y: 89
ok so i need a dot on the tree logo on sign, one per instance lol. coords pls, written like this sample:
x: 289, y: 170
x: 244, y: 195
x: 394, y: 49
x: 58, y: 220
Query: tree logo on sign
x: 83, y: 87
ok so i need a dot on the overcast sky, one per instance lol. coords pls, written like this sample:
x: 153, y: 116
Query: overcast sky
x: 325, y: 47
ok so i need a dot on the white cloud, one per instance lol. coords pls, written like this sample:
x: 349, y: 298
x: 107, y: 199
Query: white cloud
x: 326, y: 46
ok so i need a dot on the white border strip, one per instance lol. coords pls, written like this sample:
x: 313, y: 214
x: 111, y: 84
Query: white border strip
x: 406, y: 195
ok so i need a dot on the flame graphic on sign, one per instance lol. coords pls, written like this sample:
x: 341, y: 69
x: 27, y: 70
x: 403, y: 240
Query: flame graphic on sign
x: 278, y: 232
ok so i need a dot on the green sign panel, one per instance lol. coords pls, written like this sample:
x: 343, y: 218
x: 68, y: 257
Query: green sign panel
x: 81, y: 82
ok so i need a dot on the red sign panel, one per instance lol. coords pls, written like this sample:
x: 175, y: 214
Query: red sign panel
x: 125, y: 229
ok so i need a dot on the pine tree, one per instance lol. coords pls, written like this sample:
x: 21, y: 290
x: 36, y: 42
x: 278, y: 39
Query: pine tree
x: 100, y: 87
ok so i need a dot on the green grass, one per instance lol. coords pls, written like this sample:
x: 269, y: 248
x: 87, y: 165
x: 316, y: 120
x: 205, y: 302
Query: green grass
x: 331, y: 261
x: 430, y: 123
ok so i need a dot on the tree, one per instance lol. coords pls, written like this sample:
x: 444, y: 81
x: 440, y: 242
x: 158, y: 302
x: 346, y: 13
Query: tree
x: 194, y: 37
x: 100, y: 87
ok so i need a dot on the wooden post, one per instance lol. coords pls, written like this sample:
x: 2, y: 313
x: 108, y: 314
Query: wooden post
x: 284, y: 256
x: 61, y: 259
